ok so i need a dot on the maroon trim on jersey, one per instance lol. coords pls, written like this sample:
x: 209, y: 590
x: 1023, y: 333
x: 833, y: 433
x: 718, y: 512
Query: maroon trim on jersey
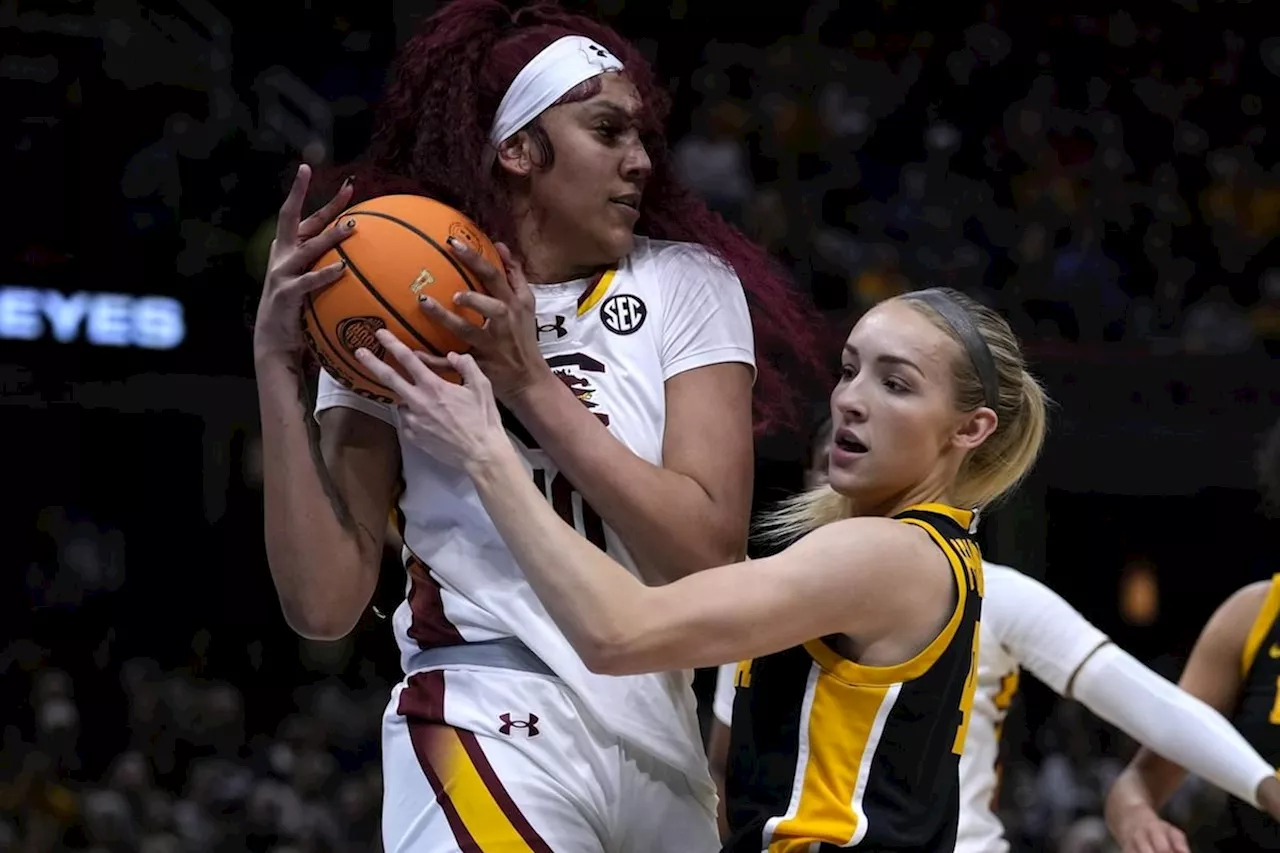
x: 422, y: 705
x: 590, y: 289
x: 429, y: 626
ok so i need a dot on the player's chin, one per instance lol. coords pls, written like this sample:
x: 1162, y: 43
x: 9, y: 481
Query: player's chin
x: 860, y: 485
x: 616, y: 243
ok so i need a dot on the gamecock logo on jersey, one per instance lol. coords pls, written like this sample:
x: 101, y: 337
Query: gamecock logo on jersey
x: 575, y: 371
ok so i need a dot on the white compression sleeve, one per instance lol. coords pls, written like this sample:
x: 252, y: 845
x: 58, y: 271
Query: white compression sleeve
x: 1170, y: 722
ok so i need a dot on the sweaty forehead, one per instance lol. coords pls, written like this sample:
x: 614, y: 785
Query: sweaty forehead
x: 896, y: 329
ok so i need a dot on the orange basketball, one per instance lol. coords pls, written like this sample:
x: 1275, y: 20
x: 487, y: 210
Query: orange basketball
x: 396, y: 256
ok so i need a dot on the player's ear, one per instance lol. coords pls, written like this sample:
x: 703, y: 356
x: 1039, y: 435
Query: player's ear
x: 515, y: 156
x: 973, y: 428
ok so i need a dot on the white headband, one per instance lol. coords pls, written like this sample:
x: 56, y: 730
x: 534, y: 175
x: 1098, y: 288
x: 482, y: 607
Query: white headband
x: 560, y: 66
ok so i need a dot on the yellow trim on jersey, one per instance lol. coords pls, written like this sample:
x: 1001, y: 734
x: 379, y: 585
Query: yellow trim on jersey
x: 477, y: 809
x: 842, y: 738
x: 1003, y: 699
x: 597, y: 293
x: 966, y: 572
x: 1261, y: 625
x: 966, y: 697
x: 962, y: 517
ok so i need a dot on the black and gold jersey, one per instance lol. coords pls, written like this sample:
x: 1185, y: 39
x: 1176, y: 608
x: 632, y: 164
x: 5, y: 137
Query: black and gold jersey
x: 1257, y: 716
x: 828, y: 753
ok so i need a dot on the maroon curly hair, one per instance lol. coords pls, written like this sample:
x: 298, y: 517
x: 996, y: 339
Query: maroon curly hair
x: 433, y: 125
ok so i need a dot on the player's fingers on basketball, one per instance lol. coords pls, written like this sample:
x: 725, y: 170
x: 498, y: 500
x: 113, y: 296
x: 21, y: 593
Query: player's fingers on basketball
x: 483, y: 304
x: 515, y: 275
x: 310, y: 251
x: 322, y: 277
x: 490, y: 276
x: 472, y: 375
x: 291, y: 209
x: 385, y: 374
x: 408, y: 360
x: 435, y: 362
x: 449, y: 320
x: 316, y: 222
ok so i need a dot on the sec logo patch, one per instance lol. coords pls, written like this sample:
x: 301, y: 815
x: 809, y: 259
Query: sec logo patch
x: 623, y: 314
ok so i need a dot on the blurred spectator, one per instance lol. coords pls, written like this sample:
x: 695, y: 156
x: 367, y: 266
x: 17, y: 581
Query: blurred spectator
x: 713, y: 160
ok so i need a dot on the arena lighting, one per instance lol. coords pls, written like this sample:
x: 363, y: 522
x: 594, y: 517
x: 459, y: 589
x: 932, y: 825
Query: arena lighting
x: 101, y: 319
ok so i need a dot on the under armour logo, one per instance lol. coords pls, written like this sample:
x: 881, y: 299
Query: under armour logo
x: 557, y: 327
x: 596, y: 55
x: 530, y: 725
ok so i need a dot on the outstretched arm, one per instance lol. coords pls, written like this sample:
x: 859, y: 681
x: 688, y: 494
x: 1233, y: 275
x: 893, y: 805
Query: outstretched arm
x: 734, y: 612
x: 878, y: 577
x: 1060, y: 647
x: 1213, y: 676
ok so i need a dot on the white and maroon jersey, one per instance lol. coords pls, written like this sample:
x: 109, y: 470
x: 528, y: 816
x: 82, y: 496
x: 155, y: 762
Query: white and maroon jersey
x: 1024, y: 625
x: 614, y: 339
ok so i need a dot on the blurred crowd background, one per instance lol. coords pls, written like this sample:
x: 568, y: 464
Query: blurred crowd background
x: 1107, y: 181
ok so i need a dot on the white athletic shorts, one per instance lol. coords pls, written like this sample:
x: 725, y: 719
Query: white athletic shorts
x: 498, y: 760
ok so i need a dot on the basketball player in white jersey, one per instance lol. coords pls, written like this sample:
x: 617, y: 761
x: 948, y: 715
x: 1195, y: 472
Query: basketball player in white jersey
x: 1026, y: 625
x: 626, y: 374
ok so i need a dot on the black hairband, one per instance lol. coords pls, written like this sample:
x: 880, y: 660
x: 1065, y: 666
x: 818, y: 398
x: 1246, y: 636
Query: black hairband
x: 961, y: 322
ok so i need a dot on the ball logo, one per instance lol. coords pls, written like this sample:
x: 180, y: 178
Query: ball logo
x: 357, y: 332
x: 424, y: 279
x: 623, y: 314
x: 336, y: 370
x: 460, y: 231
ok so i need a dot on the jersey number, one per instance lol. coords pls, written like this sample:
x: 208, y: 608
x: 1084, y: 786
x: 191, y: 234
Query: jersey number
x: 966, y: 699
x: 561, y: 496
x: 1274, y: 719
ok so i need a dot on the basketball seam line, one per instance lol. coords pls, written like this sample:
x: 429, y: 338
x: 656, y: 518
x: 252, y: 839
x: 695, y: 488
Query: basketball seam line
x: 385, y: 304
x: 461, y: 270
x: 335, y: 348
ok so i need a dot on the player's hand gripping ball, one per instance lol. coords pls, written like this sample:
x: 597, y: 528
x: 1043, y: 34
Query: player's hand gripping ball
x: 405, y: 271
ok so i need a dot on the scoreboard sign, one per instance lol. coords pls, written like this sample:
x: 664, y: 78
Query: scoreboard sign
x: 99, y: 319
x: 145, y: 160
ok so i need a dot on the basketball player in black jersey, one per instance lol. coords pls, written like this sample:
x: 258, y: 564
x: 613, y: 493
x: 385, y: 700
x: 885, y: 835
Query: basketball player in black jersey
x: 1235, y: 667
x: 859, y: 640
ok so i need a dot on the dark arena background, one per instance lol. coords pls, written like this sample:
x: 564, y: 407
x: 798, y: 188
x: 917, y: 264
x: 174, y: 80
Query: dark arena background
x: 1108, y: 181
